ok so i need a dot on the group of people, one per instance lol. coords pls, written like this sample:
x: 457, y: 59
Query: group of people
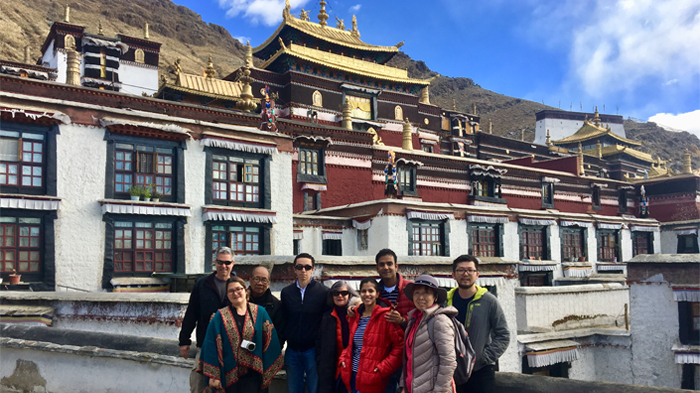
x: 394, y: 334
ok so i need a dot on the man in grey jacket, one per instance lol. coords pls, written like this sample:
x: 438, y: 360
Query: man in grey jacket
x: 483, y: 319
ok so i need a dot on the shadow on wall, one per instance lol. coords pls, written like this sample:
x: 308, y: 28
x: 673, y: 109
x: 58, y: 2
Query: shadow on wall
x: 521, y: 383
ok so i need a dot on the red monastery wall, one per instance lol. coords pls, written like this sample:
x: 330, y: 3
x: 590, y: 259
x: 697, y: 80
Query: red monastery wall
x: 442, y: 195
x: 347, y: 185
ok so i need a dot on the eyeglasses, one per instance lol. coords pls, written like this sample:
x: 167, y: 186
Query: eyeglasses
x: 470, y: 272
x: 341, y: 293
x: 304, y: 267
x: 261, y: 280
x: 220, y: 262
x: 237, y: 290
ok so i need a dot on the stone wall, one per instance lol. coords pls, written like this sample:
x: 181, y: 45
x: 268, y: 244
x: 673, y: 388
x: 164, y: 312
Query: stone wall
x: 521, y: 383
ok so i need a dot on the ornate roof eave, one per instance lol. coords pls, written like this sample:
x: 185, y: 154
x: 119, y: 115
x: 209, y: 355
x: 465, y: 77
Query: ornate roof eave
x: 324, y: 33
x: 171, y: 86
x: 608, y: 151
x: 585, y: 133
x: 291, y: 50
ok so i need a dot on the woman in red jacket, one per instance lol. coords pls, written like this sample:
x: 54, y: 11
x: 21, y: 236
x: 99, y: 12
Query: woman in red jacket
x: 375, y: 350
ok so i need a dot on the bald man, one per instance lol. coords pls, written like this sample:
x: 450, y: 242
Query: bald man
x: 261, y: 295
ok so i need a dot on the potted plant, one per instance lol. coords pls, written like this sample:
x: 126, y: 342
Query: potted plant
x: 135, y: 193
x: 14, y: 277
x: 582, y: 259
x: 155, y: 195
x: 146, y: 193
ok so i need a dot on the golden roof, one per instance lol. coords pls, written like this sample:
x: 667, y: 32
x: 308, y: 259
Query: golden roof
x: 616, y: 149
x: 346, y: 64
x: 202, y: 84
x: 326, y: 33
x: 591, y: 131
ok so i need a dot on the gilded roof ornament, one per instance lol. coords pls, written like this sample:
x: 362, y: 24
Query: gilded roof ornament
x: 322, y: 16
x: 355, y: 32
x: 400, y: 44
x: 340, y: 25
x: 596, y: 117
x: 285, y: 13
x: 248, y: 55
x: 282, y: 43
x: 99, y: 28
x: 304, y: 15
x: 454, y: 104
x: 210, y: 72
x: 145, y: 32
x: 66, y: 14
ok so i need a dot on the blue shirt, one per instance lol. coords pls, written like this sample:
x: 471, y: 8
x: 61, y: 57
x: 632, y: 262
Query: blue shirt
x: 357, y: 342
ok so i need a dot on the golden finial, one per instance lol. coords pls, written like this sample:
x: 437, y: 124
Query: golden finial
x: 355, y: 32
x: 596, y: 117
x: 548, y: 139
x: 145, y: 32
x: 210, y: 72
x: 99, y: 27
x: 304, y: 15
x: 248, y: 55
x: 407, y: 136
x: 474, y: 111
x: 454, y: 104
x: 340, y: 25
x: 581, y: 170
x: 400, y: 44
x: 322, y: 16
x: 687, y: 165
x: 27, y: 55
x: 66, y: 14
x: 285, y: 13
x: 599, y: 149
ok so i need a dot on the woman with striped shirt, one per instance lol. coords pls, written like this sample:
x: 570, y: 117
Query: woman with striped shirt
x: 376, y: 348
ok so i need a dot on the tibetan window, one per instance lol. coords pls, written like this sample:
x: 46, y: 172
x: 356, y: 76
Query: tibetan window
x: 143, y: 247
x: 687, y: 244
x: 608, y: 246
x: 243, y: 240
x: 407, y: 180
x: 595, y: 198
x: 642, y: 243
x: 427, y: 238
x: 22, y: 162
x: 311, y: 168
x: 548, y: 195
x: 361, y: 107
x: 20, y: 244
x: 143, y: 165
x: 332, y: 247
x: 533, y: 242
x: 622, y: 201
x: 235, y: 179
x: 572, y: 244
x: 689, y: 323
x: 484, y: 240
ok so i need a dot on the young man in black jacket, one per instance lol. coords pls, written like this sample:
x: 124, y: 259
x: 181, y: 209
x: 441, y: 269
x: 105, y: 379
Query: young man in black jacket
x: 303, y: 305
x: 208, y: 295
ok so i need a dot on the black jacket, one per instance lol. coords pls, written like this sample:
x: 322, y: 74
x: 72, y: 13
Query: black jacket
x: 274, y: 308
x: 303, y: 318
x: 327, y: 354
x: 204, y: 302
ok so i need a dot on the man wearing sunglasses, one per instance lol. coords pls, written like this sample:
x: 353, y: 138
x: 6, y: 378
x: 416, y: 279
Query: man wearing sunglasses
x: 261, y: 295
x: 303, y: 305
x: 208, y: 295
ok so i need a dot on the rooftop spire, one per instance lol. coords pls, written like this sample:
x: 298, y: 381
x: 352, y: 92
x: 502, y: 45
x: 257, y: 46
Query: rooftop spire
x: 596, y: 117
x: 99, y: 27
x: 66, y: 14
x: 248, y: 55
x: 322, y: 16
x: 145, y: 32
x: 355, y: 32
x: 287, y: 7
x: 210, y: 72
x: 687, y: 165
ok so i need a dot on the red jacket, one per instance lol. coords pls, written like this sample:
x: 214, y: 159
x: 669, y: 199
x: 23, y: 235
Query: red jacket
x: 404, y: 305
x: 382, y: 348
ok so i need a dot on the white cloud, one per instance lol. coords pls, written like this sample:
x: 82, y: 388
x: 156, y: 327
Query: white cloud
x: 671, y: 82
x: 242, y: 39
x: 355, y: 8
x: 267, y: 12
x: 683, y: 121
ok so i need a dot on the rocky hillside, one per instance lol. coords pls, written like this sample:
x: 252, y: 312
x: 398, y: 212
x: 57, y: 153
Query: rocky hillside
x: 184, y: 35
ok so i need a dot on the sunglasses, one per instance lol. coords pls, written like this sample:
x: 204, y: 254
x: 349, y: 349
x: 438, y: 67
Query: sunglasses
x: 220, y: 262
x: 304, y: 267
x: 341, y: 293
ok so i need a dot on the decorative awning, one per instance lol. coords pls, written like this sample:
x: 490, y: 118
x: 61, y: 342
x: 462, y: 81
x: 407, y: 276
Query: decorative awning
x: 536, y: 221
x: 16, y: 202
x: 37, y: 114
x: 686, y: 294
x: 298, y: 235
x: 231, y: 144
x: 599, y: 185
x: 686, y: 231
x: 605, y: 225
x: 362, y: 226
x: 314, y: 187
x: 105, y: 43
x: 408, y: 162
x: 488, y: 219
x: 550, y: 180
x: 27, y: 315
x: 551, y: 352
x: 536, y: 268
x: 640, y: 228
x: 428, y: 136
x: 315, y: 139
x: 480, y: 170
x: 577, y: 271
x: 145, y: 208
x: 332, y: 235
x: 582, y: 224
x: 687, y: 358
x: 183, y: 133
x: 432, y: 216
x: 239, y: 216
x: 607, y: 268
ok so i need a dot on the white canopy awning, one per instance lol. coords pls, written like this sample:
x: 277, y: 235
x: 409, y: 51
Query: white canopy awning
x: 29, y: 204
x: 607, y: 268
x: 487, y: 219
x: 240, y: 216
x: 536, y: 221
x: 258, y: 148
x: 577, y: 271
x: 686, y: 294
x: 145, y: 209
x: 332, y: 235
x: 686, y: 231
x: 314, y: 187
x: 640, y: 228
x: 606, y: 225
x: 298, y: 235
x: 688, y: 358
x: 536, y: 268
x: 569, y: 223
x: 551, y: 352
x: 362, y: 225
x: 434, y: 216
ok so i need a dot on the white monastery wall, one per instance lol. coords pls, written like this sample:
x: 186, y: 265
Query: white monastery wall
x: 555, y: 244
x: 592, y: 244
x: 395, y: 237
x: 459, y: 239
x: 510, y: 360
x: 80, y: 232
x: 281, y: 239
x: 195, y: 233
x: 138, y: 78
x: 612, y: 363
x: 511, y: 242
x: 625, y: 245
x: 583, y: 368
x: 654, y: 328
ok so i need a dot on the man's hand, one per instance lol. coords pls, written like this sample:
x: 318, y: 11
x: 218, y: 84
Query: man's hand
x: 185, y: 351
x: 351, y: 312
x: 215, y: 384
x: 393, y: 316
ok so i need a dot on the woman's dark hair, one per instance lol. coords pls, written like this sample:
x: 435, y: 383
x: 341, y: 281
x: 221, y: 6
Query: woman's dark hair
x: 372, y: 280
x: 336, y: 287
x: 240, y: 281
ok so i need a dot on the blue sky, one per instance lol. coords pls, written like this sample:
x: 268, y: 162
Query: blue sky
x: 641, y: 56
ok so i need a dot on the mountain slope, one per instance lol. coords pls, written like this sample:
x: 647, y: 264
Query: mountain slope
x: 184, y: 35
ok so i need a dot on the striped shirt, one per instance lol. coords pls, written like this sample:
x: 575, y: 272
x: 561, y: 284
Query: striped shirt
x: 390, y: 296
x: 357, y: 342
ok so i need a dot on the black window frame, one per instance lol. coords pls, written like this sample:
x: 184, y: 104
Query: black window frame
x: 444, y: 227
x: 544, y: 231
x: 498, y: 236
x: 622, y: 201
x: 319, y: 178
x: 596, y: 203
x: 45, y: 279
x: 494, y: 192
x: 264, y: 192
x: 178, y: 176
x: 264, y: 242
x: 682, y: 246
x: 49, y: 158
x: 178, y: 246
x: 648, y: 237
x: 370, y: 96
x: 311, y: 201
x: 583, y: 232
x: 527, y: 279
x: 411, y: 170
x: 608, y: 232
x: 686, y: 334
x: 547, y: 195
x: 332, y: 247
